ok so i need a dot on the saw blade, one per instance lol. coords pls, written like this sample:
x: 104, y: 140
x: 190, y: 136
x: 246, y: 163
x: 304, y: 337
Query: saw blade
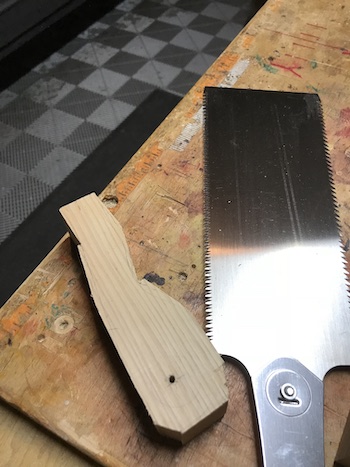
x: 275, y: 280
x: 275, y: 276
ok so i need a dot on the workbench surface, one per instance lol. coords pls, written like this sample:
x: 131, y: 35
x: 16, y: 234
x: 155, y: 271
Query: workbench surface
x: 56, y: 364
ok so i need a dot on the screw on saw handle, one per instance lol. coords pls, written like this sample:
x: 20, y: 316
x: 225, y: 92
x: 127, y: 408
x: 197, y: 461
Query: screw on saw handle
x: 289, y: 409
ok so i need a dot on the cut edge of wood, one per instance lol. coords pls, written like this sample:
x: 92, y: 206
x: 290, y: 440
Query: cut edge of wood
x: 196, y: 430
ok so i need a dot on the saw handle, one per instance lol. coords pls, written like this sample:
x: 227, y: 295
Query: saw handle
x: 289, y: 408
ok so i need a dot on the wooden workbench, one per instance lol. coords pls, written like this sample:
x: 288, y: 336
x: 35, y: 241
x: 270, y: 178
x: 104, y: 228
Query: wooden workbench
x: 55, y: 363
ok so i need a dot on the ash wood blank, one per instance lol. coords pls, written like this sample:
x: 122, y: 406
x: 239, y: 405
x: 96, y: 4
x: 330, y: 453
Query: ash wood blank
x: 170, y: 360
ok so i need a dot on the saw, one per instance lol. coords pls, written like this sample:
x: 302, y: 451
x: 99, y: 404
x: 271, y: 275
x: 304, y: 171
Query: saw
x: 276, y: 289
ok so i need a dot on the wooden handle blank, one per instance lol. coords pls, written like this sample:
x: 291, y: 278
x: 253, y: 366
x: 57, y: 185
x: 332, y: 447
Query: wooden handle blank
x: 172, y: 364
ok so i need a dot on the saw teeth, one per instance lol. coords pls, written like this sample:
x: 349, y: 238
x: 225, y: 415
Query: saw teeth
x: 207, y: 266
x: 334, y: 197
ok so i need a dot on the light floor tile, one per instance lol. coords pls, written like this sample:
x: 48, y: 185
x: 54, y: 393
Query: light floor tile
x: 104, y: 82
x: 54, y: 126
x: 94, y: 53
x: 111, y: 113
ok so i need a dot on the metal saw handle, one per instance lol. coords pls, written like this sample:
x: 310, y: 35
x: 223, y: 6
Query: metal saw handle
x: 289, y: 408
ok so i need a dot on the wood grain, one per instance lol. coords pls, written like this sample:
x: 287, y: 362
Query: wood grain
x: 343, y: 453
x: 51, y: 373
x: 28, y: 444
x: 172, y: 364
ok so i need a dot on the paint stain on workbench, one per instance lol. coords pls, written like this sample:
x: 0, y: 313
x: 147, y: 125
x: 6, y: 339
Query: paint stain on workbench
x: 265, y: 65
x: 312, y: 88
x: 193, y: 299
x: 154, y: 278
x: 194, y: 203
x: 344, y: 123
x: 30, y: 326
x: 247, y: 41
x: 184, y: 240
x: 14, y: 322
x: 340, y: 128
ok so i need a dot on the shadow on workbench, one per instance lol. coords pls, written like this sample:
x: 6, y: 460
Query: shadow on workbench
x: 36, y: 236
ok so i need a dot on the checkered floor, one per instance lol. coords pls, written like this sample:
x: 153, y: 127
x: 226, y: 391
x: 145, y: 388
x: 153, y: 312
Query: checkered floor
x: 57, y: 114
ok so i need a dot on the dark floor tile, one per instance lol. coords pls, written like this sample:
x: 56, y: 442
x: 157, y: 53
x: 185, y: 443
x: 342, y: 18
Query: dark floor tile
x: 80, y: 102
x: 134, y: 92
x: 21, y: 112
x: 150, y: 8
x: 125, y: 63
x: 25, y: 152
x: 162, y: 31
x: 193, y: 5
x: 243, y: 16
x: 175, y: 56
x: 184, y: 82
x: 216, y: 46
x: 206, y: 24
x: 73, y: 71
x: 85, y: 138
x: 114, y: 37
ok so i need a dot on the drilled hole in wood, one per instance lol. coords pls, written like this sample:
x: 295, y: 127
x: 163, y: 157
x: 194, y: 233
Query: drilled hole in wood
x: 182, y: 276
x: 110, y: 201
x: 63, y: 324
x: 171, y: 379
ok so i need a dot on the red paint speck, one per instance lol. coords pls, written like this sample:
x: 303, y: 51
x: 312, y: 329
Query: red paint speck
x: 344, y: 132
x: 184, y: 240
x: 344, y: 122
x: 345, y: 115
